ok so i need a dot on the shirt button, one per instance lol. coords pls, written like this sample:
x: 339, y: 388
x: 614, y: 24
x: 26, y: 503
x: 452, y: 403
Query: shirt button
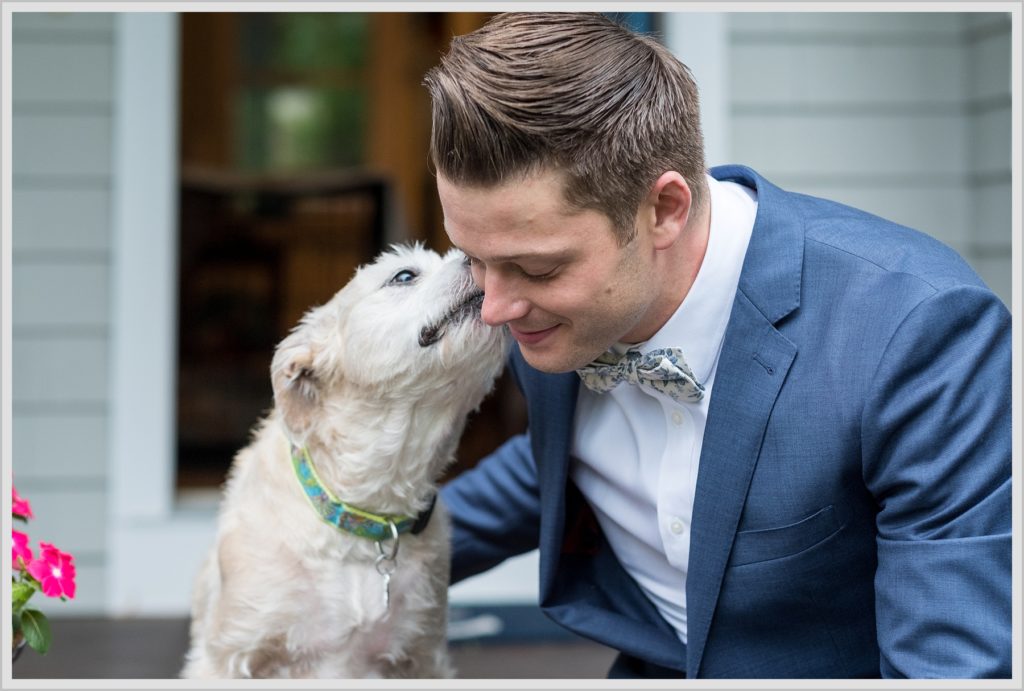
x: 677, y: 417
x: 676, y: 527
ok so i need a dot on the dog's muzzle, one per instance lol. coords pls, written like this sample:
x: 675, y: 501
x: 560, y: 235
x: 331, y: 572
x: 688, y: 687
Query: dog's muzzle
x: 470, y: 306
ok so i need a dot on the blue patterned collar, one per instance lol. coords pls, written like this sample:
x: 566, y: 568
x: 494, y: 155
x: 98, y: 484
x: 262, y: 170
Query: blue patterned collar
x: 349, y: 518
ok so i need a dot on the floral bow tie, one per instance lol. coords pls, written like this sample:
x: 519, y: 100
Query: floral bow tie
x: 663, y: 370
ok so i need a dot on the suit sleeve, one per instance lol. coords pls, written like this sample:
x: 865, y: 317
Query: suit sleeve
x: 494, y: 507
x: 937, y: 447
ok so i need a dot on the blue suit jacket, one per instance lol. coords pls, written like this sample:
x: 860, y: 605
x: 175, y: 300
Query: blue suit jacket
x: 852, y: 510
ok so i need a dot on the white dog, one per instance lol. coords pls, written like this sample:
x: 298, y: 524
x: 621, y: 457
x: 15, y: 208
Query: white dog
x: 329, y: 561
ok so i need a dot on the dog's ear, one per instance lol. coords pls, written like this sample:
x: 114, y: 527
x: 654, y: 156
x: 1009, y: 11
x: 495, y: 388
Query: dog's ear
x: 296, y: 385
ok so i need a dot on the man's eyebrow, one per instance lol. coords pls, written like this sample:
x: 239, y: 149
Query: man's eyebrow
x: 526, y: 256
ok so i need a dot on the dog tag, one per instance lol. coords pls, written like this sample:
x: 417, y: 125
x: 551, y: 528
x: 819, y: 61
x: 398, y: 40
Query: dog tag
x: 385, y: 567
x: 386, y: 563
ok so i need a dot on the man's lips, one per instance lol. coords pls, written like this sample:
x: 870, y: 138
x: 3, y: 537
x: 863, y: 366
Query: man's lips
x: 531, y: 337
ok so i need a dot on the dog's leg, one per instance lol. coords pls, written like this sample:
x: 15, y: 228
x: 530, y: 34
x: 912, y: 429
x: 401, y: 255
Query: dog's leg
x: 229, y: 636
x: 424, y: 655
x: 425, y: 645
x: 436, y: 661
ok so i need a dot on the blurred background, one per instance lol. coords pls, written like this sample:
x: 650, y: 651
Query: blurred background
x: 186, y: 185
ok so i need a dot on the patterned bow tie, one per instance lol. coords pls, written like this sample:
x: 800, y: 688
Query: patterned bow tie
x: 663, y: 370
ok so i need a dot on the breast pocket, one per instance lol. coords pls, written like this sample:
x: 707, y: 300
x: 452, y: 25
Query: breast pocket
x: 752, y: 546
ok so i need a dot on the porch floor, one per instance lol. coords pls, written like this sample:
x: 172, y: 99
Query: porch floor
x: 85, y: 648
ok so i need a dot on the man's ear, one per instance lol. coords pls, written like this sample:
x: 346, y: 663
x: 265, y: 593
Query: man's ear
x: 297, y: 388
x: 671, y: 200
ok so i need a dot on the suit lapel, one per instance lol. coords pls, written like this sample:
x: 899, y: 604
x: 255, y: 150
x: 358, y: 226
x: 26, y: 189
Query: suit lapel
x: 753, y: 365
x: 746, y: 386
x: 556, y: 406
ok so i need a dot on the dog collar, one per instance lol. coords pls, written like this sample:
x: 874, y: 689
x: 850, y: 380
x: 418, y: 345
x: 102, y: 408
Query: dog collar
x: 348, y: 518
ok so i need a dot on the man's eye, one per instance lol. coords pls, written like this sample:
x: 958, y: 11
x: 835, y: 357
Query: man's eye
x: 538, y: 276
x: 405, y: 276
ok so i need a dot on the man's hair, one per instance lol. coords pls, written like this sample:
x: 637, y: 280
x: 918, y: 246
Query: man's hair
x: 573, y: 92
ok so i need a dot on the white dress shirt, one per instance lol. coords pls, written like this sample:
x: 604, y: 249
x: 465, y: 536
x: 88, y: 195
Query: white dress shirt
x: 636, y: 451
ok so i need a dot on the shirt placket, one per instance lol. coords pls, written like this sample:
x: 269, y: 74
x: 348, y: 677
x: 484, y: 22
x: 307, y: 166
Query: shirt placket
x: 674, y: 500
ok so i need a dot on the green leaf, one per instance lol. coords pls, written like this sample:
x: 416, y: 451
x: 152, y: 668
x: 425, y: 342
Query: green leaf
x: 21, y: 591
x: 36, y: 629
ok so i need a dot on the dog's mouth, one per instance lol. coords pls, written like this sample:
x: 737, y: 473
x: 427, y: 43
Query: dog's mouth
x: 470, y: 306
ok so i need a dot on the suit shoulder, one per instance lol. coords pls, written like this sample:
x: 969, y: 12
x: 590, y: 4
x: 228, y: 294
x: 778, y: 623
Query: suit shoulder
x: 864, y: 238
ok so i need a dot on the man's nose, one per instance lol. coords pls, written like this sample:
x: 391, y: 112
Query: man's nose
x: 501, y: 304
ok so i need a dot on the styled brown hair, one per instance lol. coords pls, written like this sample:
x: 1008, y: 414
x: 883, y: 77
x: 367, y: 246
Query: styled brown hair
x: 575, y: 92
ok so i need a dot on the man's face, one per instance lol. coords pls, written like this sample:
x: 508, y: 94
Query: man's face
x: 554, y: 274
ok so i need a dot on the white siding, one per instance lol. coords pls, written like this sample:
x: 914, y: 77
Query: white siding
x: 60, y: 148
x: 57, y: 370
x: 79, y: 223
x: 855, y: 150
x: 77, y: 454
x: 987, y: 46
x: 41, y: 73
x: 94, y: 234
x: 80, y: 280
x: 62, y: 74
x: 845, y: 75
x: 810, y: 27
x: 906, y: 115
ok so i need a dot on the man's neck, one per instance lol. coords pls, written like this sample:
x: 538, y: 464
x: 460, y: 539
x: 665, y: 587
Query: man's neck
x: 676, y: 271
x: 692, y: 246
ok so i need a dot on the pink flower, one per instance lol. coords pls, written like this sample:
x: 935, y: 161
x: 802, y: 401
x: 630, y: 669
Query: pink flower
x: 19, y: 506
x: 55, y: 571
x: 20, y: 550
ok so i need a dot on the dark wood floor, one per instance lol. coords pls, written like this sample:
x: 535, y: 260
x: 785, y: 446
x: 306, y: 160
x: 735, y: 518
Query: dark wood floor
x: 154, y: 649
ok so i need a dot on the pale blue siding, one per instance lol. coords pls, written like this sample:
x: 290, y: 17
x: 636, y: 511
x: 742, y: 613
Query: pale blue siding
x: 906, y: 115
x: 62, y: 96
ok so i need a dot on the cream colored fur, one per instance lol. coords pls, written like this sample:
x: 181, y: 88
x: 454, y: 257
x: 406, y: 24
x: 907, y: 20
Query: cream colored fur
x: 284, y: 594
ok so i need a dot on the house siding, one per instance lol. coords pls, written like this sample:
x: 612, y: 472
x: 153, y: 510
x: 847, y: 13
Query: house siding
x: 62, y: 97
x: 906, y: 115
x: 989, y: 104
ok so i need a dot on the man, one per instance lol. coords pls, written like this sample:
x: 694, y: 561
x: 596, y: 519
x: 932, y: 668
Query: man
x: 790, y: 452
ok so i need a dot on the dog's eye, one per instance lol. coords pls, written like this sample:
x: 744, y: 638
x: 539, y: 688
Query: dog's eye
x: 405, y: 276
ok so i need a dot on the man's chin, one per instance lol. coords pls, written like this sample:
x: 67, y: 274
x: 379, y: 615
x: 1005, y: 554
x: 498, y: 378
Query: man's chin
x: 549, y: 362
